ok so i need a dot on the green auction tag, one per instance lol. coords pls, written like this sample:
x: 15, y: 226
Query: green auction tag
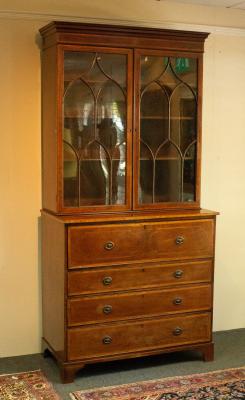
x: 182, y: 65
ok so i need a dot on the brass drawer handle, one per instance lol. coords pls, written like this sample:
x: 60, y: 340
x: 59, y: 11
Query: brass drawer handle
x: 178, y: 273
x: 107, y: 309
x: 107, y: 280
x: 179, y: 240
x: 177, y: 301
x: 177, y: 331
x: 107, y: 340
x: 109, y: 245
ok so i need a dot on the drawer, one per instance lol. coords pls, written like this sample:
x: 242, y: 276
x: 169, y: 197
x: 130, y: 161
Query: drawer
x: 160, y: 333
x: 111, y: 244
x: 124, y: 306
x: 138, y: 276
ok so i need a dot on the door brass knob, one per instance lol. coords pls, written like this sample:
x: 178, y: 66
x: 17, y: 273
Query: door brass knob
x: 177, y: 331
x: 178, y: 273
x: 107, y: 340
x: 109, y: 245
x: 107, y: 280
x: 107, y: 309
x: 179, y: 240
x: 177, y: 301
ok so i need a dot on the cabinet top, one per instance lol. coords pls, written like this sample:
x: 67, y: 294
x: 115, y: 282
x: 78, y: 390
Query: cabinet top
x: 134, y: 216
x: 59, y: 32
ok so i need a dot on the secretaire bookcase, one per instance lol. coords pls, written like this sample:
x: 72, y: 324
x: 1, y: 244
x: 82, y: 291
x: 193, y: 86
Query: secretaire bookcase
x: 128, y: 254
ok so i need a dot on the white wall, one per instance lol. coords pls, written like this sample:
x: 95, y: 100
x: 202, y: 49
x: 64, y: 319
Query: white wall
x: 223, y: 183
x: 20, y: 188
x: 223, y: 166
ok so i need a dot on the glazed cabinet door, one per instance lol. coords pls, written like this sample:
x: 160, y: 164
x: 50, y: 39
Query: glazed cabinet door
x: 95, y: 103
x: 168, y: 113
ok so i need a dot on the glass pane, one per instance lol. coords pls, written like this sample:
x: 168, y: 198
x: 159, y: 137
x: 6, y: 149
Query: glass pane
x: 111, y: 124
x: 189, y: 174
x: 114, y: 66
x: 95, y: 78
x: 94, y: 126
x: 152, y: 67
x: 168, y: 174
x: 168, y: 127
x: 146, y: 174
x: 111, y: 115
x: 70, y: 176
x: 154, y: 116
x: 186, y: 70
x: 118, y: 174
x: 183, y: 126
x: 183, y: 117
x: 169, y: 79
x: 78, y: 114
x: 94, y: 176
x: 76, y: 64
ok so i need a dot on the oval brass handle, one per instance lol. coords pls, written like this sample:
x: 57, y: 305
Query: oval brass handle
x: 177, y: 331
x: 107, y: 309
x: 107, y: 340
x: 179, y: 240
x: 177, y: 301
x: 178, y: 273
x: 109, y: 245
x: 107, y: 280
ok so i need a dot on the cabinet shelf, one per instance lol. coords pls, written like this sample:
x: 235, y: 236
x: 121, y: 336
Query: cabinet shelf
x: 166, y: 118
x: 123, y: 160
x: 93, y: 81
x: 100, y: 118
x: 166, y: 159
x: 75, y: 115
x: 93, y: 159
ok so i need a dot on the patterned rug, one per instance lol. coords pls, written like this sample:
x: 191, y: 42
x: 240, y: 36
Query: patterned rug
x: 26, y: 386
x: 219, y: 385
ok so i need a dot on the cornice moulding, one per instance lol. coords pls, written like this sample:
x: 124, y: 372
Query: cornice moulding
x: 47, y: 17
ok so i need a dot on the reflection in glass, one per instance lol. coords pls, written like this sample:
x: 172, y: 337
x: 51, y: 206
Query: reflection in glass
x: 118, y: 173
x: 152, y: 68
x: 154, y: 115
x: 70, y: 174
x: 94, y: 175
x: 114, y: 66
x: 111, y: 114
x: 76, y: 64
x: 189, y: 170
x: 169, y: 79
x: 147, y: 174
x: 186, y: 70
x: 183, y: 127
x: 168, y: 174
x: 168, y: 128
x: 94, y: 127
x: 78, y: 114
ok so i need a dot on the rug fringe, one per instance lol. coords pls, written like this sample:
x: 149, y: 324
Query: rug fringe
x: 21, y: 372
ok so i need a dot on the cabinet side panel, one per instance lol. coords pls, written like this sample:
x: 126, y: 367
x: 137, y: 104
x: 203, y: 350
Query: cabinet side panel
x: 53, y: 283
x: 49, y: 129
